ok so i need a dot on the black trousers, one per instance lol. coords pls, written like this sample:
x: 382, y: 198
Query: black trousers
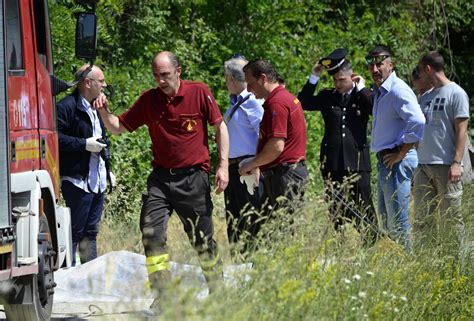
x: 350, y: 193
x: 242, y: 209
x: 187, y: 191
x: 287, y: 180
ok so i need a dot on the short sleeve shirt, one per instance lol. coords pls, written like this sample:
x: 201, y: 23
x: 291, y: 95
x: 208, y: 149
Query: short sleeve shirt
x: 177, y: 125
x: 283, y: 118
x: 441, y: 107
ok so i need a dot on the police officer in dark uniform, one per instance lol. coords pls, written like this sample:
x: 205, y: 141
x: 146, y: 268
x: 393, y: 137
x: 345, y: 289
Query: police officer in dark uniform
x: 344, y: 156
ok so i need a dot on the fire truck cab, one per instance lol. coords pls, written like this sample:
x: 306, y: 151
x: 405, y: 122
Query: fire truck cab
x: 35, y: 230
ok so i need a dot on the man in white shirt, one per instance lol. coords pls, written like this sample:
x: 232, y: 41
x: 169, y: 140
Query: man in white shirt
x: 83, y: 160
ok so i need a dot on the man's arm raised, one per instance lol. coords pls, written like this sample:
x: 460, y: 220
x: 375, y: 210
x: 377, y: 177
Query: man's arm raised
x: 111, y: 122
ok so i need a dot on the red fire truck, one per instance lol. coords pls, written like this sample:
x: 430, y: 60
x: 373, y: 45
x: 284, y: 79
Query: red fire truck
x: 35, y: 237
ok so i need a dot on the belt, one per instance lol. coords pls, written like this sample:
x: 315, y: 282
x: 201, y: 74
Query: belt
x: 237, y: 160
x: 278, y: 167
x: 383, y: 152
x: 178, y: 171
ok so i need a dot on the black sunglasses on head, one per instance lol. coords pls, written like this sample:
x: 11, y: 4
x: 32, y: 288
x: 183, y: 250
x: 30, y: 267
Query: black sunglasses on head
x: 375, y: 60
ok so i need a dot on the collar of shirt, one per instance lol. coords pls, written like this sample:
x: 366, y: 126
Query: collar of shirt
x: 273, y: 93
x: 388, y: 83
x: 241, y: 96
x: 86, y: 105
x: 348, y: 92
x: 234, y: 99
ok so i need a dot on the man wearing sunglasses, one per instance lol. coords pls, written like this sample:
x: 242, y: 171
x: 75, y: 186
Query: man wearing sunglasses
x: 398, y: 124
x: 344, y: 153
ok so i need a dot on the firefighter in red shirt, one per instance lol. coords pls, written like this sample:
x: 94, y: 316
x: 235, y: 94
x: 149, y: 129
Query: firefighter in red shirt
x: 281, y: 150
x: 176, y: 113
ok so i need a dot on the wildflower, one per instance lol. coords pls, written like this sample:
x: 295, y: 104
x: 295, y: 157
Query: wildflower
x: 370, y: 273
x: 353, y: 297
x: 356, y: 277
x: 384, y: 292
x: 403, y: 298
x: 347, y: 281
x: 362, y: 294
x: 396, y: 310
x: 353, y: 308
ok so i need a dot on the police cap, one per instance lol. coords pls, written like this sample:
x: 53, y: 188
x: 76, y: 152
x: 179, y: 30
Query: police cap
x: 334, y: 61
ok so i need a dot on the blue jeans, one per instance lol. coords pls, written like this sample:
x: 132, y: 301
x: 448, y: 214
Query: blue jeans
x: 86, y: 211
x: 393, y: 192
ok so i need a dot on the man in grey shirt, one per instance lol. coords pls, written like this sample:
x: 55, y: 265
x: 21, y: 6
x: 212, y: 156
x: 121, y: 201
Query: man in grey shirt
x: 438, y: 177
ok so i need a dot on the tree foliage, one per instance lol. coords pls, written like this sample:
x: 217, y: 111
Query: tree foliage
x: 292, y: 34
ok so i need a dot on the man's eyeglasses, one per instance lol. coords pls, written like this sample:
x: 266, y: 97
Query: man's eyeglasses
x: 375, y: 60
x: 100, y: 81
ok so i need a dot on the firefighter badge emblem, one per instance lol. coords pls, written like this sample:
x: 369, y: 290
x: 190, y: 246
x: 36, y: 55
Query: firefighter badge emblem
x: 189, y: 124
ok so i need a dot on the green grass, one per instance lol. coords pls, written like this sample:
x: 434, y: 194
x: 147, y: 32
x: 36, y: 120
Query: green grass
x: 308, y: 272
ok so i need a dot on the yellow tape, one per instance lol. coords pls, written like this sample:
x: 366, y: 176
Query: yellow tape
x: 209, y: 264
x: 157, y: 263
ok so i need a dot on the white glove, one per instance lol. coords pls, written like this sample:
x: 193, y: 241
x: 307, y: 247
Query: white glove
x: 250, y: 180
x: 93, y: 146
x: 113, y: 179
x: 359, y: 82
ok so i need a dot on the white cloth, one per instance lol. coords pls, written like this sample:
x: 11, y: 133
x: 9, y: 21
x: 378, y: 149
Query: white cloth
x: 250, y: 180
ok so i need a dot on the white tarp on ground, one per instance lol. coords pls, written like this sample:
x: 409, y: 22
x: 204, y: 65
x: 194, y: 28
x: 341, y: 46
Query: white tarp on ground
x: 116, y: 283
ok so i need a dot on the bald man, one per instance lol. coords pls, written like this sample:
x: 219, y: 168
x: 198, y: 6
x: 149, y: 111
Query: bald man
x: 176, y: 113
x: 83, y: 162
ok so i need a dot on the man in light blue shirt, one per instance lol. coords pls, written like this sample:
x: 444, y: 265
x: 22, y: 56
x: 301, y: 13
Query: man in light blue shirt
x: 398, y: 124
x: 243, y: 118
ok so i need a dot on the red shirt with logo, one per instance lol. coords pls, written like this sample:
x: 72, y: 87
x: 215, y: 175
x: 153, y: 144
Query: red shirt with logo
x: 283, y: 118
x: 177, y: 125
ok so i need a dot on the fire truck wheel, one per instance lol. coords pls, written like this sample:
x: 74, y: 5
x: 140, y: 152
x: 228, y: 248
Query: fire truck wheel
x: 32, y: 297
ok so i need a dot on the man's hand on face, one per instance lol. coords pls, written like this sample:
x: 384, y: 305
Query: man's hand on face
x: 101, y: 103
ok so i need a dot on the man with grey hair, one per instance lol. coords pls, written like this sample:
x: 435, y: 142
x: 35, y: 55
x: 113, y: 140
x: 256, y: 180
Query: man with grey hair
x: 83, y: 164
x: 243, y: 118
